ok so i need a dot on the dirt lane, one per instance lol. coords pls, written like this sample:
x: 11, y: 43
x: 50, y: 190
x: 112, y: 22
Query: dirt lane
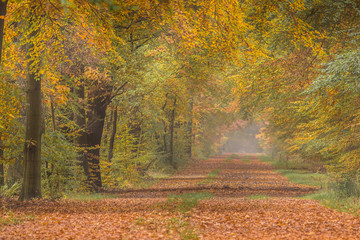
x: 149, y: 214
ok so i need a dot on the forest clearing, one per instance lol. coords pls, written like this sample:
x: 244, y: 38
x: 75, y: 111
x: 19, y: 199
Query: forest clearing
x: 184, y: 119
x: 245, y: 200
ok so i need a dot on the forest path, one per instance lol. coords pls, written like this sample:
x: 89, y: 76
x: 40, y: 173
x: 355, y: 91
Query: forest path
x: 230, y: 214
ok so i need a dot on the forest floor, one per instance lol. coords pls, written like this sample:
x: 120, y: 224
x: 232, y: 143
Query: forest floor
x: 224, y: 197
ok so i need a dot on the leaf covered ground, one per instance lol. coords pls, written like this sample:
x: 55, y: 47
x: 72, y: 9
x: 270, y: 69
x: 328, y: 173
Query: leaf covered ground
x: 219, y: 198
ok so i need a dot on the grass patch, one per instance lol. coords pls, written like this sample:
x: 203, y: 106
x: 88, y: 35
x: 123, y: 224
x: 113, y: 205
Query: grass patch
x: 246, y: 158
x: 294, y: 165
x: 340, y: 195
x: 159, y: 175
x: 178, y: 224
x: 185, y: 202
x: 295, y: 173
x: 258, y: 197
x: 213, y: 173
x: 265, y: 158
x: 306, y: 178
x: 89, y: 196
x: 206, y: 181
x: 189, y: 234
x: 152, y: 178
x: 331, y: 199
x: 146, y: 183
x: 210, y: 177
x: 10, y: 218
x: 231, y: 157
x: 10, y: 191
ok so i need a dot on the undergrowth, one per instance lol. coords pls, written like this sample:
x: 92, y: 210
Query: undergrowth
x: 331, y: 199
x: 213, y: 173
x: 8, y: 217
x: 257, y: 197
x: 231, y: 157
x: 246, y: 158
x: 305, y: 177
x: 178, y: 223
x: 340, y: 194
x: 179, y: 205
x: 210, y: 177
x: 10, y: 191
x: 289, y: 164
x: 185, y: 202
x: 89, y: 196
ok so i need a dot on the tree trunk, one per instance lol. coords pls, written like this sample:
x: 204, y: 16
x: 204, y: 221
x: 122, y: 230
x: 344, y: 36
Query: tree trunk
x: 189, y: 131
x: 2, y: 176
x: 171, y: 142
x: 165, y: 128
x: 99, y: 99
x: 95, y: 129
x: 31, y: 187
x: 108, y: 124
x: 3, y: 6
x: 2, y: 173
x: 32, y: 162
x: 80, y: 120
x: 164, y: 138
x: 53, y: 114
x: 113, y: 134
x: 139, y: 143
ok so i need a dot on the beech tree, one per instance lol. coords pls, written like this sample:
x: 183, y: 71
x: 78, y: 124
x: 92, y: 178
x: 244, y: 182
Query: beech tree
x: 173, y: 74
x: 3, y: 6
x: 31, y: 187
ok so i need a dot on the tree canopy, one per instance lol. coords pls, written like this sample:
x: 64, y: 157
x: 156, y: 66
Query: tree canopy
x: 115, y: 88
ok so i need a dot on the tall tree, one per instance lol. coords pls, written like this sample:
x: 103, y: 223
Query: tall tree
x: 171, y: 140
x: 31, y: 186
x: 113, y: 122
x: 3, y: 6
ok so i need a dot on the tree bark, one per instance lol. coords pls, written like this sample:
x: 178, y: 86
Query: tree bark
x: 113, y: 134
x: 165, y: 128
x: 80, y: 120
x: 90, y: 117
x: 2, y: 176
x: 3, y: 6
x: 32, y: 162
x: 98, y: 101
x: 53, y: 114
x: 31, y: 187
x: 164, y: 138
x: 107, y: 129
x: 171, y: 141
x: 189, y: 131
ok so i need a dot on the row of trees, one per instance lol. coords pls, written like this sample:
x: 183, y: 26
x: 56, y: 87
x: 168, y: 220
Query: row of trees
x: 114, y: 88
x: 309, y: 96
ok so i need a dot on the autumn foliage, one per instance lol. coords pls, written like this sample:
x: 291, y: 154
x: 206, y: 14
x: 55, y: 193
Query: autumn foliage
x: 245, y: 199
x: 117, y: 90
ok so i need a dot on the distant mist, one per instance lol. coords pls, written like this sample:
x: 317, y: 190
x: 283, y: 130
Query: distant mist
x: 243, y: 140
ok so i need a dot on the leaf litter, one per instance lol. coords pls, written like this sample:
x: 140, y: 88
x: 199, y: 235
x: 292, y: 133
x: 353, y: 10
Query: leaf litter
x: 192, y: 204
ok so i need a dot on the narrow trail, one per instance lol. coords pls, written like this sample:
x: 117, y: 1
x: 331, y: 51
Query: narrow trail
x: 230, y: 214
